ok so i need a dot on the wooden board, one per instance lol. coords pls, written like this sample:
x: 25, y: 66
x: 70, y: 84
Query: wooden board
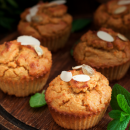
x: 16, y: 112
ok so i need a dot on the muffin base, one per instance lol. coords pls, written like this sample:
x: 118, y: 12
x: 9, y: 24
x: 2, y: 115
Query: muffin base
x: 77, y: 122
x: 23, y: 88
x: 53, y: 43
x: 115, y: 72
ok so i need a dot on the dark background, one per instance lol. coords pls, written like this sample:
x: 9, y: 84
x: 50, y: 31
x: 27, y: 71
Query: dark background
x: 10, y: 13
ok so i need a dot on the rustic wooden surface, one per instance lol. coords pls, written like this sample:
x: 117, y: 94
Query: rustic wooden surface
x: 16, y: 114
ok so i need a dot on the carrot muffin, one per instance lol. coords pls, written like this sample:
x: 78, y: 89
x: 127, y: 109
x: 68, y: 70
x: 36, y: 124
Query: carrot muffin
x: 115, y: 14
x: 23, y: 69
x: 48, y: 22
x: 105, y: 50
x: 78, y: 99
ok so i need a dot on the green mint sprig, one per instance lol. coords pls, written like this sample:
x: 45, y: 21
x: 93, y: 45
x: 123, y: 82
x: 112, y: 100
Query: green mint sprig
x: 78, y: 24
x: 120, y: 104
x: 37, y: 100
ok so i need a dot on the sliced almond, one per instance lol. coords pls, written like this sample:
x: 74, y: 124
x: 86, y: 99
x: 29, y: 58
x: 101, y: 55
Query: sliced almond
x: 66, y: 76
x: 38, y: 50
x: 59, y: 2
x: 36, y: 18
x: 122, y: 37
x: 28, y: 18
x: 34, y: 8
x: 123, y: 2
x: 24, y: 43
x: 50, y: 4
x: 120, y: 10
x: 33, y: 11
x: 77, y: 67
x: 28, y: 40
x: 87, y: 70
x: 81, y: 78
x: 105, y: 36
x: 39, y: 53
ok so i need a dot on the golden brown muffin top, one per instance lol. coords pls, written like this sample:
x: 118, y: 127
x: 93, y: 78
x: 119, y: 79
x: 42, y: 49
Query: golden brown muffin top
x: 99, y: 53
x: 50, y: 19
x: 113, y: 15
x: 79, y: 98
x: 22, y: 62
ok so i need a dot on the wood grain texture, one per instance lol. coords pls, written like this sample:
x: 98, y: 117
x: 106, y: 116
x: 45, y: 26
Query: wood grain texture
x: 7, y: 124
x: 16, y: 114
x: 40, y: 118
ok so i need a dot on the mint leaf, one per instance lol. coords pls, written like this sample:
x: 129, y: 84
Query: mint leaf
x: 116, y: 124
x: 117, y: 89
x: 123, y: 103
x: 123, y: 116
x: 79, y: 24
x: 37, y: 100
x: 113, y: 124
x: 115, y: 114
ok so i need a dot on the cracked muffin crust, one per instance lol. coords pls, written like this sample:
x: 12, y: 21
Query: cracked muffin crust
x: 22, y: 71
x: 51, y: 25
x: 106, y: 16
x: 110, y: 58
x: 74, y: 103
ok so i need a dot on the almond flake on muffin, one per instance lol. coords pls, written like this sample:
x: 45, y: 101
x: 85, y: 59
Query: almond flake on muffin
x: 29, y: 40
x: 120, y: 10
x: 87, y: 73
x: 105, y: 36
x: 122, y: 37
x: 66, y: 76
x: 123, y: 2
x: 57, y: 2
x: 32, y: 12
x: 86, y: 69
